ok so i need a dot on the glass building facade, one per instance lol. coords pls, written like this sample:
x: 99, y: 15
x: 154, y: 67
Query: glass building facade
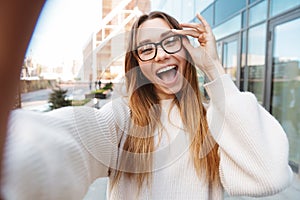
x: 259, y: 44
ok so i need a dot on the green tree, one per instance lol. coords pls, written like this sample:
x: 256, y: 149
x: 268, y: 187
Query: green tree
x: 58, y: 99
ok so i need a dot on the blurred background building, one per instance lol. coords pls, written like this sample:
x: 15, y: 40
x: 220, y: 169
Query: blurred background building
x: 103, y: 55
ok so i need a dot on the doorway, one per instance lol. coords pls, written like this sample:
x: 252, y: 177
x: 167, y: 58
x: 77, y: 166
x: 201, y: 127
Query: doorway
x: 283, y: 78
x: 229, y: 52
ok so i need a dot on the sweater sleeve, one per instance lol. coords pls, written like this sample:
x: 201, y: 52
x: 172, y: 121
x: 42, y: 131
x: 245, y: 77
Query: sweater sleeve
x: 253, y: 147
x: 57, y: 155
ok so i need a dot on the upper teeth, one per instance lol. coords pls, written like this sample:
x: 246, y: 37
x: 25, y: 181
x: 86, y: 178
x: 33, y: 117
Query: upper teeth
x: 165, y: 69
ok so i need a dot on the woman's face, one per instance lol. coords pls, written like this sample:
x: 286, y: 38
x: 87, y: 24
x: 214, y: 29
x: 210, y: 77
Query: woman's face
x: 164, y: 70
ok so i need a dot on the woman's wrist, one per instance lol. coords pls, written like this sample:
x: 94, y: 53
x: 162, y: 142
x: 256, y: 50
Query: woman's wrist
x: 216, y: 72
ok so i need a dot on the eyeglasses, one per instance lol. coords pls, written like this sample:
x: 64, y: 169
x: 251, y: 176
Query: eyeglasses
x: 171, y: 45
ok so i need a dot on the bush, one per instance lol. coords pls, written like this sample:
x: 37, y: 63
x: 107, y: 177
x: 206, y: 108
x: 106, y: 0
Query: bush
x: 58, y: 99
x: 80, y: 102
x: 108, y: 86
x: 103, y: 92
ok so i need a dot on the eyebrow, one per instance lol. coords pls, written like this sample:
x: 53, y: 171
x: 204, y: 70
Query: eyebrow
x: 164, y: 34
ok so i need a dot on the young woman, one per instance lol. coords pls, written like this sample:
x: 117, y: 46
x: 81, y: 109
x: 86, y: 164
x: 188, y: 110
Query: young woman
x: 159, y: 141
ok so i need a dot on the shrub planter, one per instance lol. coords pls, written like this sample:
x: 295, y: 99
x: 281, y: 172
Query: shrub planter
x: 89, y: 96
x: 99, y: 94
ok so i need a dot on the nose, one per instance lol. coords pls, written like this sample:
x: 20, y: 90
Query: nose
x: 161, y: 54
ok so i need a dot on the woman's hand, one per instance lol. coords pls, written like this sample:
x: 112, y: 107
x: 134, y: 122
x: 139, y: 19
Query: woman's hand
x: 205, y: 55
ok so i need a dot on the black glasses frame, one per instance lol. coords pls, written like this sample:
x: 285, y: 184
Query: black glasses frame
x: 160, y: 44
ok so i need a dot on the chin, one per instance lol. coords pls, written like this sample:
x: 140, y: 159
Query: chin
x: 166, y: 93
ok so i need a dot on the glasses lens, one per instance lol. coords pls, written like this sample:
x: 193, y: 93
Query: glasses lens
x: 146, y: 52
x: 172, y: 44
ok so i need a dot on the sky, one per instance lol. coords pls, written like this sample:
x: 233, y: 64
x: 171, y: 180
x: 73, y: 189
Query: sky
x: 63, y: 29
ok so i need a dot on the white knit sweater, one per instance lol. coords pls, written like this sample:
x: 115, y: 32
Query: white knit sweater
x: 57, y: 155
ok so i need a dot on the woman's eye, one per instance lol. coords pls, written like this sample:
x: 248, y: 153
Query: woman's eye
x: 146, y: 49
x: 170, y: 41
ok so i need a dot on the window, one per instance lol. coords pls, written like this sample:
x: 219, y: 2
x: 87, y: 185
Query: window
x: 286, y: 83
x: 252, y: 1
x: 244, y: 68
x: 256, y: 60
x: 225, y: 9
x: 230, y: 55
x: 279, y: 6
x: 258, y: 13
x: 229, y: 27
x: 244, y: 19
x: 208, y: 14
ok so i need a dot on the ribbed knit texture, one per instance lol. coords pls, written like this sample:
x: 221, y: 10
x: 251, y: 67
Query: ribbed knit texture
x: 57, y: 155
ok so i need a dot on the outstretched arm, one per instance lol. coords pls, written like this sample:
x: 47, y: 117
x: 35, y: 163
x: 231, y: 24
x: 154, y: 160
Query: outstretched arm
x: 58, y: 154
x: 17, y: 21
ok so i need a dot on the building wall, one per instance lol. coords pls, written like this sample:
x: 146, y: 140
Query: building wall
x: 256, y: 44
x: 101, y: 54
x: 256, y: 39
x: 88, y: 60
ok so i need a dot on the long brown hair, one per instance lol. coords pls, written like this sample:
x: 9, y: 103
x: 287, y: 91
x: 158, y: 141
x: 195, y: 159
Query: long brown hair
x: 145, y: 116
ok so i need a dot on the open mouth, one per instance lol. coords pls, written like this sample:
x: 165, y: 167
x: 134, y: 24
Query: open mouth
x: 167, y: 74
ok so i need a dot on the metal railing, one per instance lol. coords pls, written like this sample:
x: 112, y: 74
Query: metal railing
x: 121, y: 16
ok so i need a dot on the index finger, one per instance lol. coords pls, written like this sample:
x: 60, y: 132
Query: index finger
x: 197, y: 26
x: 204, y: 22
